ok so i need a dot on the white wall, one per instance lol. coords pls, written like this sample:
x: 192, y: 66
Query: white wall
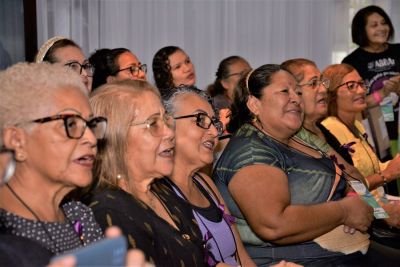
x: 262, y: 31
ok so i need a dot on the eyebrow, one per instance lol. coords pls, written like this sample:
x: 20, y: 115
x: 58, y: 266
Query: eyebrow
x: 91, y: 115
x: 153, y: 115
x: 73, y: 61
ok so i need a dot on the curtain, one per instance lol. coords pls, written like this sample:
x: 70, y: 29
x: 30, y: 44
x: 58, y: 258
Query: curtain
x: 269, y: 31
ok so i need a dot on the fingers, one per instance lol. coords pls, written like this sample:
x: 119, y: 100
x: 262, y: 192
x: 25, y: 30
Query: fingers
x: 349, y: 230
x: 136, y: 258
x: 67, y: 261
x: 113, y: 232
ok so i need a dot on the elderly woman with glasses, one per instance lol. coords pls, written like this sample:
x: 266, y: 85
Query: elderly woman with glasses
x: 137, y: 153
x: 196, y: 135
x: 47, y: 121
x: 66, y: 52
x: 115, y: 65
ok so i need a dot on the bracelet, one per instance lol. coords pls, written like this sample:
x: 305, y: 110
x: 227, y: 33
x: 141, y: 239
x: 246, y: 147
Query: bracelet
x: 377, y: 96
x: 383, y: 178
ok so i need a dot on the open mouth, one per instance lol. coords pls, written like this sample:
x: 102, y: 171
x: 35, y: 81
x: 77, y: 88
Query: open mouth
x: 209, y: 144
x: 167, y: 153
x: 86, y: 160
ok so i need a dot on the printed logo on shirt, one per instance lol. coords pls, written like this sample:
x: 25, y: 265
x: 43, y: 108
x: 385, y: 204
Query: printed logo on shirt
x: 381, y: 64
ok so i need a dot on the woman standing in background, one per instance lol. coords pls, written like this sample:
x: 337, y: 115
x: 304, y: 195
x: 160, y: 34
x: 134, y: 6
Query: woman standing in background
x: 378, y: 63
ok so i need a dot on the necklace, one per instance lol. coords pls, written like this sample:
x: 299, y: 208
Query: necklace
x: 77, y: 226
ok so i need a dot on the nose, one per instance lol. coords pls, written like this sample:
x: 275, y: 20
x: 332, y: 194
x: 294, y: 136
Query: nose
x: 89, y: 137
x: 322, y: 88
x: 141, y: 75
x: 187, y: 67
x: 361, y: 89
x: 213, y: 131
x: 169, y: 132
x: 84, y: 72
x: 294, y: 97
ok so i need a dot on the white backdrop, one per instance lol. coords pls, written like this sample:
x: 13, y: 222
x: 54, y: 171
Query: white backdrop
x: 262, y: 31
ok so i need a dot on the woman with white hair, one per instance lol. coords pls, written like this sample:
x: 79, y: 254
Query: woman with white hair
x: 47, y: 121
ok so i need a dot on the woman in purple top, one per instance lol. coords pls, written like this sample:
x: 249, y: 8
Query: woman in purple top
x: 197, y: 131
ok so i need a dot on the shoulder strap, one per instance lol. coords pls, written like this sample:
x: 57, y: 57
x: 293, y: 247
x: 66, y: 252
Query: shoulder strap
x: 207, y: 187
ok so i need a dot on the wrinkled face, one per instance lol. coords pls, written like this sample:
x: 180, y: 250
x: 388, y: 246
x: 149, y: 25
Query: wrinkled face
x: 70, y: 54
x: 51, y: 154
x: 194, y: 145
x: 280, y: 108
x: 182, y: 69
x: 351, y: 99
x: 377, y: 29
x: 236, y: 71
x: 314, y: 93
x: 125, y: 61
x: 149, y: 155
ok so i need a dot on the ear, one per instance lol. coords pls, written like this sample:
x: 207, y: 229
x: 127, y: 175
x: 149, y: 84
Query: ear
x: 253, y: 104
x: 110, y: 78
x: 14, y: 138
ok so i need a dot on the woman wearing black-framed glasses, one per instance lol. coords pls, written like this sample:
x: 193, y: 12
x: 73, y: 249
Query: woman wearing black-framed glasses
x: 46, y: 120
x: 115, y: 65
x: 62, y: 50
x: 196, y: 133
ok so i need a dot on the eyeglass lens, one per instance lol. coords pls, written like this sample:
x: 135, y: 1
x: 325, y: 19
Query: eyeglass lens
x: 135, y: 69
x: 75, y: 126
x: 77, y: 67
x: 204, y: 121
x: 353, y: 85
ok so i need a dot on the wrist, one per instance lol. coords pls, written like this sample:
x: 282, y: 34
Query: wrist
x: 384, y: 179
x: 343, y: 210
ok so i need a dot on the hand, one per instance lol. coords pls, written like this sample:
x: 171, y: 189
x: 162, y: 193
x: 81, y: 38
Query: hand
x: 348, y: 230
x: 392, y: 170
x: 286, y: 264
x: 392, y: 85
x: 357, y: 213
x: 394, y: 214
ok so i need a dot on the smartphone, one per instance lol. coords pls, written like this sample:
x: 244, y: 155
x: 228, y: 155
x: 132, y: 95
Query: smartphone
x: 106, y: 252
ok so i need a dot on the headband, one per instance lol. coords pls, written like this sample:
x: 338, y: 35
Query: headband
x: 247, y: 81
x: 46, y: 46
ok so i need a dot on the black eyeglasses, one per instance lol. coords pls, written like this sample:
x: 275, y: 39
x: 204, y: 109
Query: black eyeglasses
x: 10, y: 165
x: 204, y: 121
x: 156, y: 124
x: 134, y: 70
x: 77, y: 67
x: 352, y: 85
x: 75, y: 125
x: 314, y: 83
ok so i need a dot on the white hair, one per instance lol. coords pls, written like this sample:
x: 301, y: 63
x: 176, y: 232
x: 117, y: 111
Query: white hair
x: 26, y: 88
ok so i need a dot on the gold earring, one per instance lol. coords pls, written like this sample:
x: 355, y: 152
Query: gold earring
x: 119, y: 176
